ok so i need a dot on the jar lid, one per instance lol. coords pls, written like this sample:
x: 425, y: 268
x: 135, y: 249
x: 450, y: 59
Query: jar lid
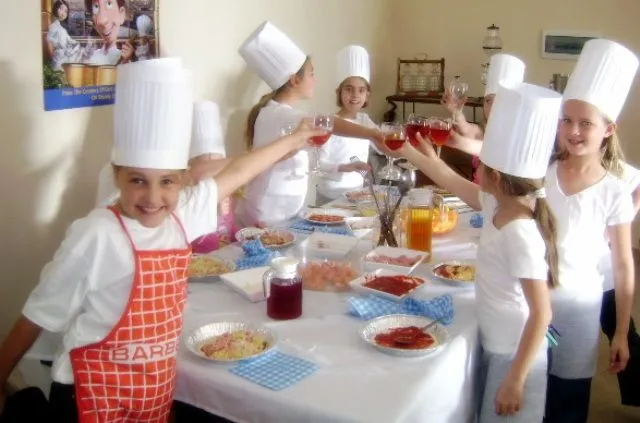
x: 285, y: 265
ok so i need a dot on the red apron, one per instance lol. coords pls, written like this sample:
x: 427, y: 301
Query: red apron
x: 129, y: 376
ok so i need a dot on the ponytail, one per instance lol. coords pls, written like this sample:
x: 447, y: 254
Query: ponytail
x: 612, y: 155
x: 253, y: 115
x: 546, y: 223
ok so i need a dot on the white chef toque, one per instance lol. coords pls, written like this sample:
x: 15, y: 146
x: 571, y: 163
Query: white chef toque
x: 152, y: 115
x: 603, y: 76
x: 207, y: 131
x: 521, y: 131
x: 272, y: 55
x: 503, y: 69
x: 353, y: 60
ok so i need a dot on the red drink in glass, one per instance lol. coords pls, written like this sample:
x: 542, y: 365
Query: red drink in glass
x: 412, y: 129
x: 320, y: 140
x: 285, y: 299
x: 393, y: 142
x: 439, y: 136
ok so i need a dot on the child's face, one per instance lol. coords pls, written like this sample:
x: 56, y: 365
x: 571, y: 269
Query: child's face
x: 307, y: 84
x: 62, y: 12
x: 148, y: 195
x: 582, y: 128
x: 107, y: 17
x: 354, y: 93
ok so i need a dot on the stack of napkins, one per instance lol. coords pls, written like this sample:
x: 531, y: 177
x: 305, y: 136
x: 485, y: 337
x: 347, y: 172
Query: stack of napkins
x: 247, y: 283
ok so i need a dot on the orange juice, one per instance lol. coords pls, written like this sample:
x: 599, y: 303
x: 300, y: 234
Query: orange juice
x: 420, y: 228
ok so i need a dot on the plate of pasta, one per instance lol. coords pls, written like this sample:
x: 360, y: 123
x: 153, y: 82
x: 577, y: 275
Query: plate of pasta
x: 230, y: 342
x: 206, y: 266
x: 455, y: 273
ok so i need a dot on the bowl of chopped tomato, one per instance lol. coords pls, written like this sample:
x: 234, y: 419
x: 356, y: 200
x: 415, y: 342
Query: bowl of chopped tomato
x: 387, y: 283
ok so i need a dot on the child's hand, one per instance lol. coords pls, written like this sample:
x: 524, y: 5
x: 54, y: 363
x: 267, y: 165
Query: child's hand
x: 451, y: 102
x: 354, y: 167
x: 425, y: 147
x: 509, y: 397
x: 618, y: 353
x: 305, y: 131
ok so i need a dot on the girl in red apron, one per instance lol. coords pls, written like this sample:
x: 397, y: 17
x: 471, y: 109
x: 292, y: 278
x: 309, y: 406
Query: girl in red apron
x: 116, y: 287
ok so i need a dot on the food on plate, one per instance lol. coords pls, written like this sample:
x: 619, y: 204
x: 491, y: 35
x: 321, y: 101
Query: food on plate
x: 397, y: 285
x: 441, y: 226
x: 234, y: 345
x: 403, y: 260
x: 408, y: 338
x: 456, y: 272
x: 363, y: 195
x: 201, y: 266
x: 275, y: 238
x: 333, y: 276
x: 361, y: 225
x: 325, y: 218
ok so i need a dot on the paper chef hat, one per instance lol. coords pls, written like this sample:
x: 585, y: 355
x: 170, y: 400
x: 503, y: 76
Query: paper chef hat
x: 353, y: 61
x: 152, y: 115
x: 503, y: 69
x: 207, y: 131
x: 521, y: 131
x: 603, y: 76
x: 270, y: 53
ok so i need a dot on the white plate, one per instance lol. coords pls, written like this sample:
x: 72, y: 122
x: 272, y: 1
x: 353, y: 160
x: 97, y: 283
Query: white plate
x: 394, y: 252
x: 361, y: 227
x: 287, y: 235
x: 453, y: 282
x: 247, y: 283
x: 363, y: 194
x: 205, y: 333
x: 228, y: 264
x: 329, y: 246
x: 386, y: 323
x: 327, y: 212
x: 358, y: 284
x: 248, y: 234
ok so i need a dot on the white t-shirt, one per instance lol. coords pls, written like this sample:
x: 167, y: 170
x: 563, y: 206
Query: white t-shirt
x: 582, y: 220
x: 339, y: 150
x: 102, y: 56
x: 629, y: 182
x: 84, y: 290
x: 515, y: 251
x: 273, y: 196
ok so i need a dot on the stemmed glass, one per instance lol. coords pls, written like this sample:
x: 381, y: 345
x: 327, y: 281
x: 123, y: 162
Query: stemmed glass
x: 458, y: 90
x: 288, y: 129
x: 324, y: 122
x: 439, y: 132
x: 394, y: 137
x: 415, y: 124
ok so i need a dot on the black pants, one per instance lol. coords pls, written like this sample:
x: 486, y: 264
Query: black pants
x: 629, y: 379
x: 26, y: 405
x: 567, y: 400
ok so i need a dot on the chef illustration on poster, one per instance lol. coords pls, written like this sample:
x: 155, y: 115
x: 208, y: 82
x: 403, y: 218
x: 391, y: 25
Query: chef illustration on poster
x: 84, y: 41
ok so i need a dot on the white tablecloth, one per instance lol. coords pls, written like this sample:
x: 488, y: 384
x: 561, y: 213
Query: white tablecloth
x: 355, y: 383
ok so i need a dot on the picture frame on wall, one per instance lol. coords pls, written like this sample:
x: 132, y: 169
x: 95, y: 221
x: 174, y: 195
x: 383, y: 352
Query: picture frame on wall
x: 565, y: 44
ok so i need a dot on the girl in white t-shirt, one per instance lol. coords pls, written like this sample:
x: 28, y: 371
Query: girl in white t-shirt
x: 593, y: 212
x: 517, y: 261
x: 116, y: 287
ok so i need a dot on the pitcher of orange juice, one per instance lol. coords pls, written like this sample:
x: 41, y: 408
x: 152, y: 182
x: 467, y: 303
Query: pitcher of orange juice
x: 422, y: 206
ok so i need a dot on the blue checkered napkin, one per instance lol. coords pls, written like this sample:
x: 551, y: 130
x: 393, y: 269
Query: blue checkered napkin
x: 439, y: 308
x: 275, y: 370
x: 476, y: 220
x: 303, y: 226
x: 255, y: 255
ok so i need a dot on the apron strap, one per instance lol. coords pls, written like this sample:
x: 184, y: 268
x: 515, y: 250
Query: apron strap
x: 115, y: 211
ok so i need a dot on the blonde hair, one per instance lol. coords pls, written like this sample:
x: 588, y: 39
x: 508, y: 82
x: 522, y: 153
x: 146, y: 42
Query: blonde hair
x: 255, y: 110
x: 514, y: 186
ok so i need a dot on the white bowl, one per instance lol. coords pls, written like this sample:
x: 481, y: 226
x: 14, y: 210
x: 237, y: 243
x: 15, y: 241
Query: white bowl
x: 361, y: 227
x: 248, y: 234
x: 358, y: 284
x: 394, y: 252
x: 329, y: 246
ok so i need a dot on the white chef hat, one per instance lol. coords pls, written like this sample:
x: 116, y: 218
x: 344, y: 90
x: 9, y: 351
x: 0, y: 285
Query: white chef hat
x: 603, y: 76
x: 270, y: 53
x: 152, y: 115
x: 521, y: 131
x: 503, y: 69
x: 207, y: 130
x: 353, y: 60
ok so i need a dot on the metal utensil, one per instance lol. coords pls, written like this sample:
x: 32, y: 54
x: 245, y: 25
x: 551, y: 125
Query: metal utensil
x: 407, y: 340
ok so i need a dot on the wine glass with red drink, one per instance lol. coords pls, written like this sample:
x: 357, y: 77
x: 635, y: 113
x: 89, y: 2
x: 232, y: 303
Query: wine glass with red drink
x: 415, y: 124
x: 394, y: 138
x: 439, y: 132
x: 324, y: 122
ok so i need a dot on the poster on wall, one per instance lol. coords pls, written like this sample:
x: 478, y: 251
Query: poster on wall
x: 84, y: 41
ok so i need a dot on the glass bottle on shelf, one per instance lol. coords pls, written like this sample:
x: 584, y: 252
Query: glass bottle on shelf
x: 407, y: 81
x: 434, y: 79
x: 422, y: 79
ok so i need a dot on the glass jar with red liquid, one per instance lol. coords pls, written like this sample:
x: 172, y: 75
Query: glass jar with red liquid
x: 283, y: 288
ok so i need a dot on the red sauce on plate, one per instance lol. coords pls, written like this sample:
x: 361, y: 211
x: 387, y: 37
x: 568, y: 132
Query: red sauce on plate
x: 395, y: 285
x: 413, y: 338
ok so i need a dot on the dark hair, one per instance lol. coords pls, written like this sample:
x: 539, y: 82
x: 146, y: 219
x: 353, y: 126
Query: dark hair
x: 56, y: 7
x: 515, y: 186
x: 255, y: 110
x: 341, y: 87
x: 88, y: 4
